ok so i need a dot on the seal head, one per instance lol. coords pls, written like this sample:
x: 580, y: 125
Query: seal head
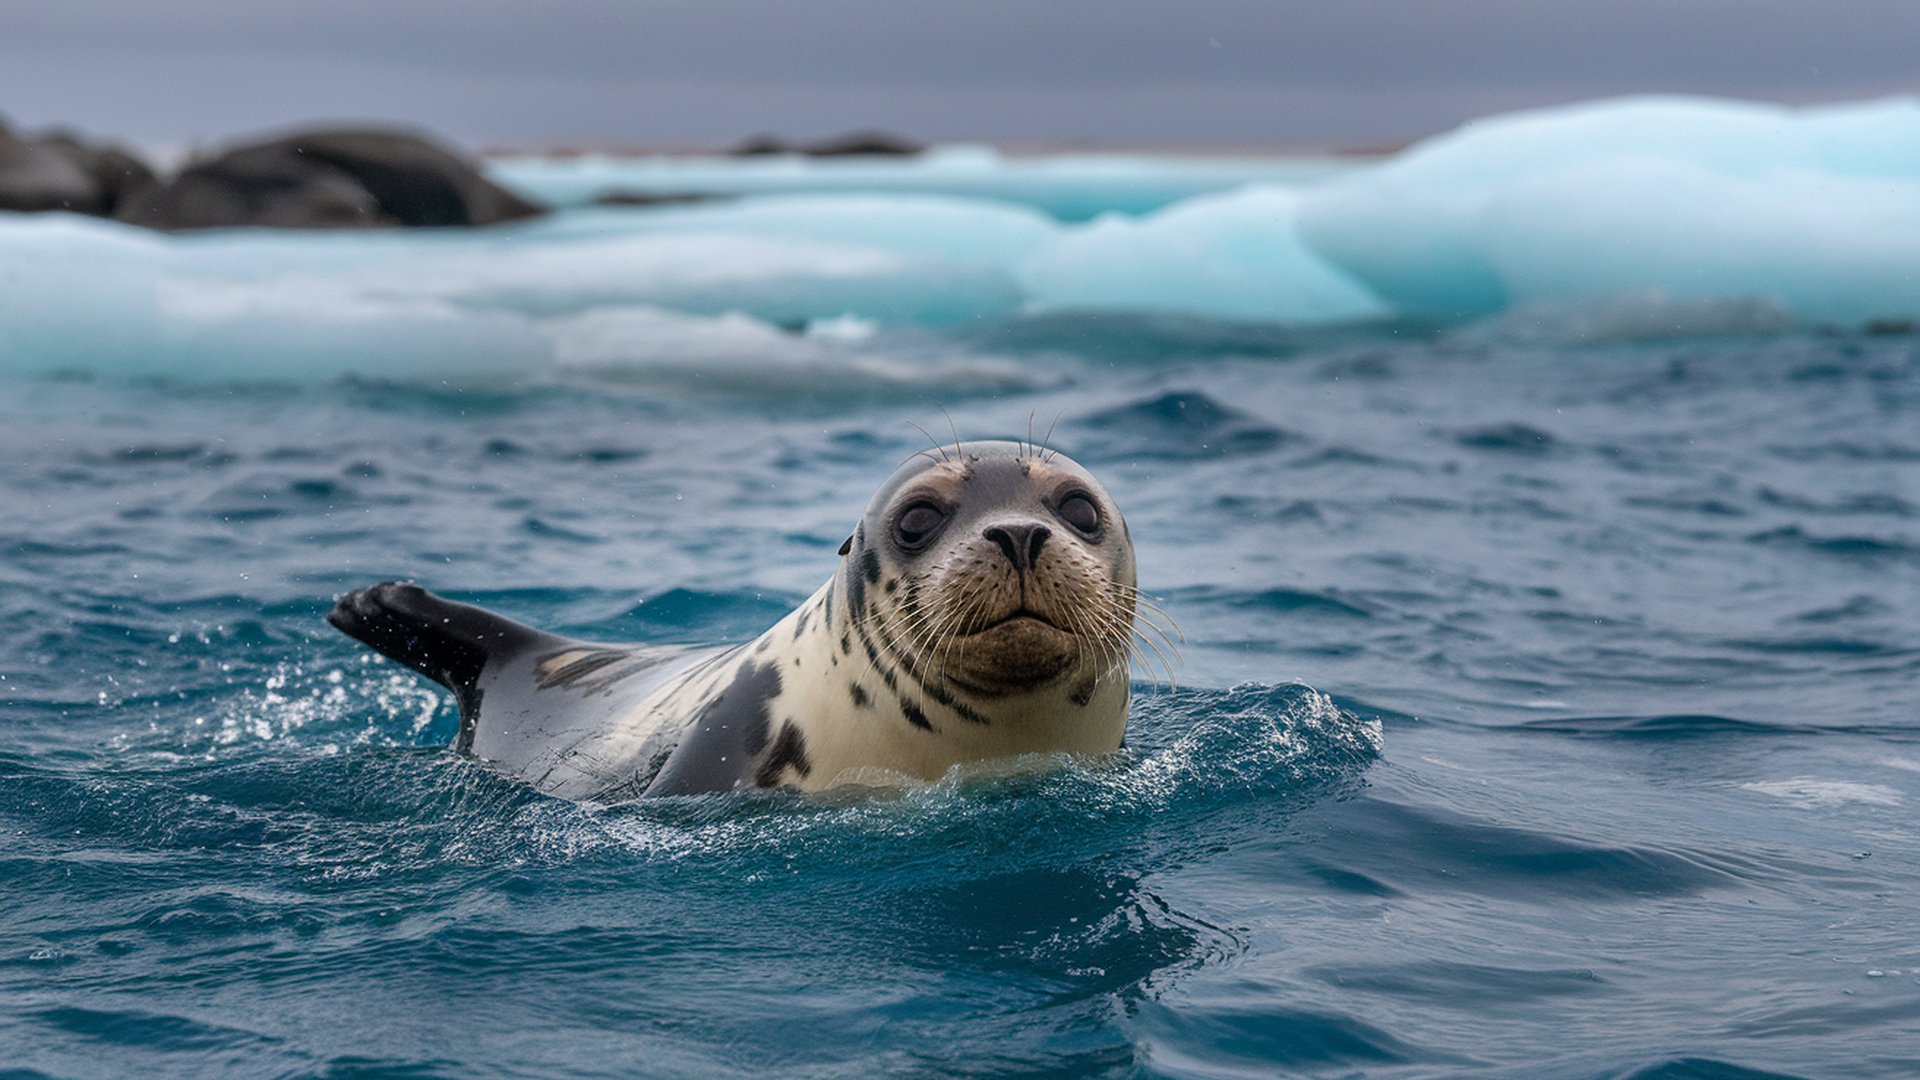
x: 996, y: 568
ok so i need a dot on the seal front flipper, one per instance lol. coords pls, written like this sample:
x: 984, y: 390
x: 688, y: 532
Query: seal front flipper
x: 453, y: 644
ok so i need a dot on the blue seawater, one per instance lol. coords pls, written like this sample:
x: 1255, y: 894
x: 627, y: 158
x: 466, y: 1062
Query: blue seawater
x: 1543, y: 696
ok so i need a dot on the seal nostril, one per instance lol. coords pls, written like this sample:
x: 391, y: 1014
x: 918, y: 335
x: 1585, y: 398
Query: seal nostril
x: 1003, y: 538
x: 1019, y: 543
x: 1034, y: 539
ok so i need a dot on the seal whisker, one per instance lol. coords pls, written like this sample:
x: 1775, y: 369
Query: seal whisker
x: 1148, y: 619
x: 930, y: 629
x: 1100, y: 621
x: 1086, y: 644
x: 958, y: 451
x: 941, y: 637
x: 976, y: 605
x: 883, y: 629
x: 1161, y: 622
x: 1050, y: 454
x: 1147, y: 600
x: 1114, y: 629
x: 966, y: 608
x: 923, y: 668
x: 971, y: 603
x: 1147, y: 630
x: 1126, y: 628
x: 936, y: 442
x: 1149, y: 673
x: 1135, y: 644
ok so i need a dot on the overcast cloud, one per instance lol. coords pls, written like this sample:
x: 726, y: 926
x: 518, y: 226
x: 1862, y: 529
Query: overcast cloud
x: 1118, y: 72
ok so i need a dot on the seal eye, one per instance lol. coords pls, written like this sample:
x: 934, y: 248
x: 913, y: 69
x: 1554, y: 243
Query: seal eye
x: 1079, y: 511
x: 917, y: 524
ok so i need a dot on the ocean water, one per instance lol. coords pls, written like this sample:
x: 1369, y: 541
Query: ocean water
x: 1546, y: 698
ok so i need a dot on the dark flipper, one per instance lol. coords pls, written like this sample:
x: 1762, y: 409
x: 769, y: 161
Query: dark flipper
x: 447, y: 642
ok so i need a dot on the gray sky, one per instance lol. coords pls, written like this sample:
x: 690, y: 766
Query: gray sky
x: 1116, y: 72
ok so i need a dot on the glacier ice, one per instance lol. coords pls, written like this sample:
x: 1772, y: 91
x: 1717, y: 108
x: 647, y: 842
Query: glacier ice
x: 960, y: 230
x: 83, y: 294
x: 1068, y: 187
x: 1812, y: 208
x: 1623, y: 218
x: 1234, y: 256
x: 1672, y: 201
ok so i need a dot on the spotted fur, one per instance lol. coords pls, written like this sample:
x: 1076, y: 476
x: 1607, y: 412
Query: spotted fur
x: 1005, y: 634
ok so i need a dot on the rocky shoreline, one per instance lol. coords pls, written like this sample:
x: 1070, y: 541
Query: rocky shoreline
x: 321, y: 179
x: 328, y: 178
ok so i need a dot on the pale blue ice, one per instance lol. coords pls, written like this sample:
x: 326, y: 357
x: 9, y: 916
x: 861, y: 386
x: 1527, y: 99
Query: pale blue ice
x: 1640, y: 216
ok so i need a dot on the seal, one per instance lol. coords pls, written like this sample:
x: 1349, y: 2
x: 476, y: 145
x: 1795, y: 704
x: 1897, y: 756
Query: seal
x: 983, y: 608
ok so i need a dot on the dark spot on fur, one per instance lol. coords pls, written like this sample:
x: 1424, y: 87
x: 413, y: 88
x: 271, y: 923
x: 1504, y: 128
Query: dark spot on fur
x: 859, y: 695
x: 731, y: 727
x: 789, y: 751
x: 800, y: 624
x: 914, y: 715
x: 892, y: 584
x: 751, y: 691
x: 870, y: 565
x: 762, y: 647
x: 846, y: 644
x: 873, y: 656
x: 911, y: 667
x: 1083, y: 694
x: 856, y: 596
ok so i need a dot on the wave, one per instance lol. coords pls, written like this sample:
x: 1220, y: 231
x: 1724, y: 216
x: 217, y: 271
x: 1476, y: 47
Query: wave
x: 1177, y: 425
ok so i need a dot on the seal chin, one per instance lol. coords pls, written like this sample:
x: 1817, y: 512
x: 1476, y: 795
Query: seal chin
x: 1020, y: 652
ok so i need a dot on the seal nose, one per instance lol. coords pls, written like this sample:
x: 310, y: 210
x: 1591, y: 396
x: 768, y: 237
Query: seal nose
x: 1021, y: 543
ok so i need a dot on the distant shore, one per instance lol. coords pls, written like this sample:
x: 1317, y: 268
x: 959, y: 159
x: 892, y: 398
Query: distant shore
x: 1011, y: 150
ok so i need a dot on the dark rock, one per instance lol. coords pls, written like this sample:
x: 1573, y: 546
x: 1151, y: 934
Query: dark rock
x: 255, y: 186
x: 115, y: 172
x: 852, y: 144
x: 36, y: 177
x: 59, y: 172
x: 658, y: 198
x: 328, y: 179
x: 865, y: 143
x: 764, y: 146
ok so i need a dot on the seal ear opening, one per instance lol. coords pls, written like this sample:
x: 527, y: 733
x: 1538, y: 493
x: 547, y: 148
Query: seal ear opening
x: 847, y: 545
